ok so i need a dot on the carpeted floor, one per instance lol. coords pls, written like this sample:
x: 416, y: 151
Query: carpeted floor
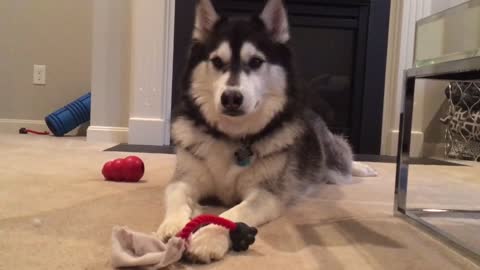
x: 56, y: 212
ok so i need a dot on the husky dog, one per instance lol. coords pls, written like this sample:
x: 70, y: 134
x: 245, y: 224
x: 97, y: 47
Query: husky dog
x: 243, y: 134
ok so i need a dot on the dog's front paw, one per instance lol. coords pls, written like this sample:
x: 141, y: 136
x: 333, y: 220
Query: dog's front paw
x: 208, y: 244
x: 363, y: 170
x: 170, y: 227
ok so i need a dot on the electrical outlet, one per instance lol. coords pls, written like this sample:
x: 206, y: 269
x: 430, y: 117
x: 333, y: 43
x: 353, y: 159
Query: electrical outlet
x: 39, y: 74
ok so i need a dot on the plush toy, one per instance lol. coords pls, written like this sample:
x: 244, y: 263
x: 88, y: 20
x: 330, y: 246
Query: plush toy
x: 134, y: 249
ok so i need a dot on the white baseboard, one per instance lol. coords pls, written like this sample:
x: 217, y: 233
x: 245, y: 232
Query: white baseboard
x: 103, y: 134
x: 13, y: 125
x: 416, y: 143
x: 148, y: 131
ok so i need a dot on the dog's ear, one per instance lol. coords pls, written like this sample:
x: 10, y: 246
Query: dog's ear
x: 205, y: 19
x: 275, y: 18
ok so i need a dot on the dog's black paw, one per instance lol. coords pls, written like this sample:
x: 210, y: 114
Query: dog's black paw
x: 242, y: 237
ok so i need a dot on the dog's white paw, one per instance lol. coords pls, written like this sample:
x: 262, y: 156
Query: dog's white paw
x: 363, y: 170
x: 208, y: 244
x: 170, y: 227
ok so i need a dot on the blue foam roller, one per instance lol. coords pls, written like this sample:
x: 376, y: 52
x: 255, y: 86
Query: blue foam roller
x: 69, y: 117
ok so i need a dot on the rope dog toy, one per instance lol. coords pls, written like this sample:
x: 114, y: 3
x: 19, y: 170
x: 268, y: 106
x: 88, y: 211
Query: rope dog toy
x: 241, y: 235
x: 135, y: 249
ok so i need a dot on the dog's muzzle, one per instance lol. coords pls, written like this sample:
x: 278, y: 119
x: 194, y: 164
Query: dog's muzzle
x: 232, y: 101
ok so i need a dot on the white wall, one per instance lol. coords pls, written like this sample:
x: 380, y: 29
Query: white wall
x: 429, y: 98
x: 404, y: 14
x: 440, y: 5
x: 56, y: 33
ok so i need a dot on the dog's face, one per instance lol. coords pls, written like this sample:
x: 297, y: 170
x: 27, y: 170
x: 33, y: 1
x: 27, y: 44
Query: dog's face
x: 238, y: 67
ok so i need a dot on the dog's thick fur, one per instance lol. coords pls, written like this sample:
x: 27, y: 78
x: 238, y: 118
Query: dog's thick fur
x: 292, y: 147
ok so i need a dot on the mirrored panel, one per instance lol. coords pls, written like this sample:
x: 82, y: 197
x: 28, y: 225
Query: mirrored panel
x: 444, y: 171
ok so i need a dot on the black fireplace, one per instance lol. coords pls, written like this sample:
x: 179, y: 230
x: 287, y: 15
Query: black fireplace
x: 340, y: 48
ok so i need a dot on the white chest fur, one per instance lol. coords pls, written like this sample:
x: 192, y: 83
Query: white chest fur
x: 214, y: 164
x: 215, y: 161
x: 225, y: 172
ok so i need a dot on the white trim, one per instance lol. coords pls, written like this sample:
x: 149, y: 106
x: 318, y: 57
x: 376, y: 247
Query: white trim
x: 13, y: 125
x: 168, y: 83
x: 97, y: 134
x: 392, y: 67
x: 416, y: 143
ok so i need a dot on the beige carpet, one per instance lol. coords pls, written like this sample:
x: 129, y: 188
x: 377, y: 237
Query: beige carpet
x: 56, y: 212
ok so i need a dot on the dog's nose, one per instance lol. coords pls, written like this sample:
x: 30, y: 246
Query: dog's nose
x: 232, y: 99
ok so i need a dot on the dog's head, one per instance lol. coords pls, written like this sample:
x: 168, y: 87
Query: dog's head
x: 238, y: 68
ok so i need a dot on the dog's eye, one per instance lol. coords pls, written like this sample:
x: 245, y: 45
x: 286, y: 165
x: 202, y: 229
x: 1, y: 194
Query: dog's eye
x: 217, y: 63
x: 255, y: 62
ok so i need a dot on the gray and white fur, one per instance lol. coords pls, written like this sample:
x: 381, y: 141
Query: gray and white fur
x: 240, y: 93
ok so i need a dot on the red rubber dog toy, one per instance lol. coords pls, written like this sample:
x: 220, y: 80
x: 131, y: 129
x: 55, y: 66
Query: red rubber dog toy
x: 129, y: 169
